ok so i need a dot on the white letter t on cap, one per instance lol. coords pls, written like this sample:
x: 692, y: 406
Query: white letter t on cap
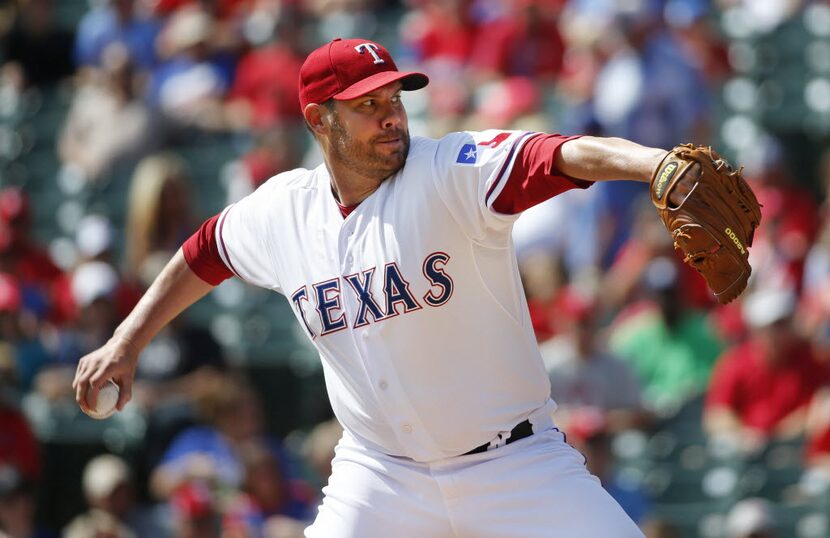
x: 371, y: 47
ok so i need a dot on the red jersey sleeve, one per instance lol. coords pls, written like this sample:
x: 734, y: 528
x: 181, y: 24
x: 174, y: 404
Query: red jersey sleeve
x: 534, y: 177
x: 202, y: 254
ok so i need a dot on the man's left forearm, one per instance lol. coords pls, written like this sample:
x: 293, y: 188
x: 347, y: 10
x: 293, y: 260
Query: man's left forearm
x: 602, y: 159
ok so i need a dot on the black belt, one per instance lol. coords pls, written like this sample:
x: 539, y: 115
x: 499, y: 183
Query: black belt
x: 522, y: 430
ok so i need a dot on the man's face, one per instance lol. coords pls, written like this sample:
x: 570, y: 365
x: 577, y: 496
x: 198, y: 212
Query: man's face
x: 370, y: 134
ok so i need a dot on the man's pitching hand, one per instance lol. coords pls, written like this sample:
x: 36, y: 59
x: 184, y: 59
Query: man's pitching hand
x: 115, y: 360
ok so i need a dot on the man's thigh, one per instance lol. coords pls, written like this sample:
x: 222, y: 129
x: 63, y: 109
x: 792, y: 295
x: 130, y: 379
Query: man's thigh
x: 534, y: 488
x: 379, y: 497
x: 537, y: 488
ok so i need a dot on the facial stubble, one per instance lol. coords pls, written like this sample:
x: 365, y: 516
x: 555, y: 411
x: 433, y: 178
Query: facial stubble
x: 363, y: 157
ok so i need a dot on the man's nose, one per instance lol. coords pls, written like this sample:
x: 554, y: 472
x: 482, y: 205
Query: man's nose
x: 393, y: 116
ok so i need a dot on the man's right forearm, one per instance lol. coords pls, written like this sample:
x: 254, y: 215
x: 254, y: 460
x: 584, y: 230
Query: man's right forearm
x: 601, y: 159
x: 176, y: 288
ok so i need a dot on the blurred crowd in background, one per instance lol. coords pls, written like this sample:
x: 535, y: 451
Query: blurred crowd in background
x: 125, y: 123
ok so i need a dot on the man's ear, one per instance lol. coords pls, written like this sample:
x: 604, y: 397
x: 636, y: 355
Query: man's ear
x: 314, y: 117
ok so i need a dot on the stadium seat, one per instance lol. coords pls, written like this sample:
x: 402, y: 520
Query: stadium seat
x: 693, y: 520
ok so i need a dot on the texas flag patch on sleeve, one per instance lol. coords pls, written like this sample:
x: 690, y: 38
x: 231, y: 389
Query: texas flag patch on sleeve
x: 467, y: 155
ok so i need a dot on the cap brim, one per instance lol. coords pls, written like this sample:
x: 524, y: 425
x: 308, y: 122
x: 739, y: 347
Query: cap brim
x: 409, y: 80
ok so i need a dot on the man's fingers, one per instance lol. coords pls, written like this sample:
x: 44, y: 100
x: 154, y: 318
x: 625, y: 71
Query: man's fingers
x: 76, y: 386
x: 125, y: 394
x: 91, y: 398
x: 80, y: 373
x: 96, y: 381
x: 80, y: 396
x: 94, y: 372
x: 80, y: 383
x: 100, y: 377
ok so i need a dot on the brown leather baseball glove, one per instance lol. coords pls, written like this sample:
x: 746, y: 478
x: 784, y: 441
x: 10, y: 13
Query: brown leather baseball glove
x: 711, y: 213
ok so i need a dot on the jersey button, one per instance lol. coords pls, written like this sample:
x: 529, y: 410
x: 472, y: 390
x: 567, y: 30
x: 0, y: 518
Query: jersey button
x: 383, y: 385
x: 407, y: 428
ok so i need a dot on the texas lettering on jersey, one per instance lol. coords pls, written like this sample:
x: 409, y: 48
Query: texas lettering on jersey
x: 431, y: 248
x: 326, y: 296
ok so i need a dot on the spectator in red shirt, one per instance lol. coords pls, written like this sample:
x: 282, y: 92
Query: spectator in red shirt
x: 791, y: 219
x: 441, y: 36
x: 265, y: 91
x: 18, y: 447
x: 223, y: 9
x: 273, y: 151
x: 818, y: 439
x: 196, y: 511
x: 44, y: 287
x: 544, y: 283
x: 762, y: 387
x: 22, y: 349
x: 524, y: 42
x: 441, y: 30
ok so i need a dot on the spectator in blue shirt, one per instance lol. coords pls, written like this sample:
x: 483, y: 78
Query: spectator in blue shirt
x: 116, y: 21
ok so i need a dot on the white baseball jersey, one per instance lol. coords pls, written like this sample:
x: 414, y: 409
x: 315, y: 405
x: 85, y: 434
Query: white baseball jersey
x: 413, y: 300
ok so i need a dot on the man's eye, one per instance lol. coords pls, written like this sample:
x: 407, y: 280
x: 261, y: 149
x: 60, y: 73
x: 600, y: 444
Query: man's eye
x: 368, y: 102
x: 396, y: 98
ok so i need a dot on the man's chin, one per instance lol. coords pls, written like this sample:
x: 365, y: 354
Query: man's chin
x: 395, y: 161
x: 398, y: 164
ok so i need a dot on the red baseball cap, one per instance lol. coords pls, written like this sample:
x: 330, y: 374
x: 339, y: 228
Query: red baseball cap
x: 347, y: 68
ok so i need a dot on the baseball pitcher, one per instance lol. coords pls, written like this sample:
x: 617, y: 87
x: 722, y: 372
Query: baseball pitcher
x: 395, y: 255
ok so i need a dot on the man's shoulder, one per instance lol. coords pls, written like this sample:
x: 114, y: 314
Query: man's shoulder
x: 485, y: 138
x: 464, y: 148
x: 288, y: 181
x: 422, y: 144
x: 435, y: 156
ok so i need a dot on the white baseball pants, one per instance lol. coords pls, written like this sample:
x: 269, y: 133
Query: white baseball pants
x: 537, y: 487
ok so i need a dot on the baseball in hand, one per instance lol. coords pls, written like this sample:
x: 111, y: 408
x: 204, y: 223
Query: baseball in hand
x: 107, y: 398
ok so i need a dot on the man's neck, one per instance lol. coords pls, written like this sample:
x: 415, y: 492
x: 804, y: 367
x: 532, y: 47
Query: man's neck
x: 349, y: 187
